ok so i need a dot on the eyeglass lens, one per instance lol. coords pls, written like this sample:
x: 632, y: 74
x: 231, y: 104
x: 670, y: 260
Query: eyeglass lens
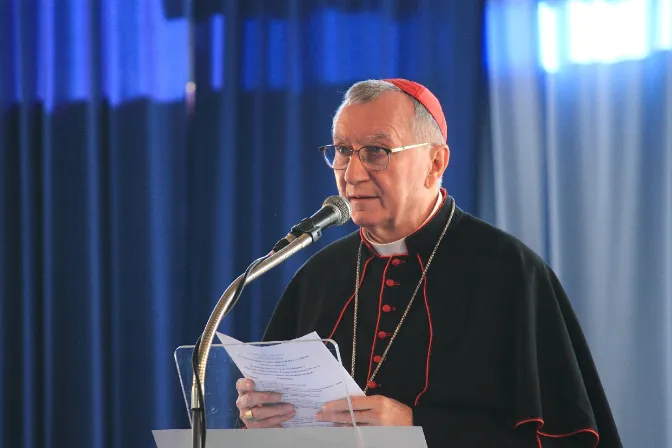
x: 373, y: 157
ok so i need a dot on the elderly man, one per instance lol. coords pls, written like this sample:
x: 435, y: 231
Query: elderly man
x: 445, y: 321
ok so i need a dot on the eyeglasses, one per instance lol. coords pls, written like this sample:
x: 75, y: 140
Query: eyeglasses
x: 374, y: 158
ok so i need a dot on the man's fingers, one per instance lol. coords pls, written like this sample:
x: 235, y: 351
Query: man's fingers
x: 361, y: 417
x: 252, y: 399
x: 358, y: 404
x: 270, y: 422
x: 244, y: 385
x: 366, y: 410
x: 336, y: 406
x: 267, y: 412
x: 278, y: 419
x: 349, y: 425
x: 375, y: 411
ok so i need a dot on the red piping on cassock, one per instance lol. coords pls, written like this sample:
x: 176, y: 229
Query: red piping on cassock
x: 340, y: 317
x: 540, y: 423
x: 375, y: 333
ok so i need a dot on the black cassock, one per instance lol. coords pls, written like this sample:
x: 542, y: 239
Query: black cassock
x: 490, y: 354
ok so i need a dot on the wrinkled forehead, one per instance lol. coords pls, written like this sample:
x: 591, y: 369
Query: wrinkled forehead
x: 383, y: 120
x: 364, y: 139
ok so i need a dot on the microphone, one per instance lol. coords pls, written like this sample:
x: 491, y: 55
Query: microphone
x: 335, y: 211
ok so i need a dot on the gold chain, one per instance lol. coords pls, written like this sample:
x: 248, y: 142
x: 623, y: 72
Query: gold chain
x: 403, y: 317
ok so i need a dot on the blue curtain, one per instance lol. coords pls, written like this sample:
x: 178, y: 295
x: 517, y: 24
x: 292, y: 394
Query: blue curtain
x: 269, y: 80
x: 148, y: 152
x: 581, y: 107
x: 93, y: 228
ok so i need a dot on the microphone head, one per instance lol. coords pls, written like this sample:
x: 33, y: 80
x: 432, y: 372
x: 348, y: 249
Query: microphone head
x: 342, y: 205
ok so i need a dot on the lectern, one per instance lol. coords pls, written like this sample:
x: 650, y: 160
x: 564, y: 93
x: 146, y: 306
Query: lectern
x: 224, y: 429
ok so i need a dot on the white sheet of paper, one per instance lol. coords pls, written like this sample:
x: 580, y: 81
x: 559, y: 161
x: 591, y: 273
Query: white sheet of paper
x: 305, y: 374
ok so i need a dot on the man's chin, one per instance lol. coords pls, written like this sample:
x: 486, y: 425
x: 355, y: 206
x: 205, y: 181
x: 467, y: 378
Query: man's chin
x: 365, y: 219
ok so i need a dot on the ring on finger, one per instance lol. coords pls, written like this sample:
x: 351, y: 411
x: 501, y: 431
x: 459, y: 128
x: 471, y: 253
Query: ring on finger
x: 249, y: 416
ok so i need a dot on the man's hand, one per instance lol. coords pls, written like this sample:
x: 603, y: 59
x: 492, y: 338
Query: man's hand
x: 372, y: 411
x: 261, y: 409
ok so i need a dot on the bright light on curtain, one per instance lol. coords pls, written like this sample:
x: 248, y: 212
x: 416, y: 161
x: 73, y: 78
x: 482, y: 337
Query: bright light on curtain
x: 581, y: 107
x: 586, y: 32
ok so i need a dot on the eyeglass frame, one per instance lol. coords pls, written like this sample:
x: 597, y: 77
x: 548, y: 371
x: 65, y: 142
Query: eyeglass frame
x: 389, y: 151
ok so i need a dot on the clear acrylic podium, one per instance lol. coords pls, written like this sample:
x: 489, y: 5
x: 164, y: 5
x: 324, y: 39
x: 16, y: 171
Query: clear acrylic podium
x: 225, y: 429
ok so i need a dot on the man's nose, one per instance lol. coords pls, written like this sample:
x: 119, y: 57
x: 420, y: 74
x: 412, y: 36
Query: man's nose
x: 356, y: 171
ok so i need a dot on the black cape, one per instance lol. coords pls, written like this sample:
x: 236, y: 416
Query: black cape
x: 491, y: 353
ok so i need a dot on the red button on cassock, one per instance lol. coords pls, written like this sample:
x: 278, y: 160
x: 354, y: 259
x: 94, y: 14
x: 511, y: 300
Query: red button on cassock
x: 372, y: 384
x: 390, y: 282
x: 387, y: 308
x: 396, y: 262
x: 382, y: 334
x: 377, y: 358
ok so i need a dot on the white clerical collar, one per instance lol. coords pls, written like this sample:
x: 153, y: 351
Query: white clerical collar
x: 399, y: 247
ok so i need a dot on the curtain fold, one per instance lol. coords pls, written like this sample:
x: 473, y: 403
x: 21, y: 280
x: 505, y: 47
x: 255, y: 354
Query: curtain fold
x: 92, y: 139
x: 130, y: 199
x: 582, y: 164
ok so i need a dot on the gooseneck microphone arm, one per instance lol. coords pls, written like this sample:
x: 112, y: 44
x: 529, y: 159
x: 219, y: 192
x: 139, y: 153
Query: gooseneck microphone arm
x: 336, y: 211
x: 222, y: 308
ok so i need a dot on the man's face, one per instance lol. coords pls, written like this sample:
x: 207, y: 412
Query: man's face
x: 381, y: 199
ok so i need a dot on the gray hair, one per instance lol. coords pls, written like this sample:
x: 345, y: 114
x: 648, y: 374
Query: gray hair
x: 425, y: 128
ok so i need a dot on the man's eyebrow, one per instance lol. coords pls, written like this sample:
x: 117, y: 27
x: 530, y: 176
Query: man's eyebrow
x: 376, y: 137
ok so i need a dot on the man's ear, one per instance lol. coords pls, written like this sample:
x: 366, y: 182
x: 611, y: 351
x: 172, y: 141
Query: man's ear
x: 440, y: 158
